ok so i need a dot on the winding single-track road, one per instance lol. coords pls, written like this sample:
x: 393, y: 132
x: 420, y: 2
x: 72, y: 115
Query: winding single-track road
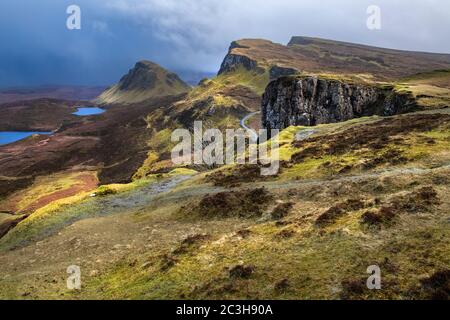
x: 253, y: 134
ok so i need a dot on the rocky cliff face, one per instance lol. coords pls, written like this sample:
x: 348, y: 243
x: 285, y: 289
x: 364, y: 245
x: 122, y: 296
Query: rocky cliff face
x: 142, y: 76
x: 311, y: 101
x: 276, y: 72
x: 233, y: 60
x: 240, y: 56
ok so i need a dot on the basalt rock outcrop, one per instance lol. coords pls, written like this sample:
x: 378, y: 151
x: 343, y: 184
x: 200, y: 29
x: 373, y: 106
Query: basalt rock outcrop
x: 147, y: 80
x: 234, y: 60
x: 277, y: 72
x: 309, y: 101
x: 242, y: 55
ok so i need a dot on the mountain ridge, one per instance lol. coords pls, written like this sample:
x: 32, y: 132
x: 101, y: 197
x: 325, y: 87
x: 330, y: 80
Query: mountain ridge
x: 305, y: 54
x: 307, y: 40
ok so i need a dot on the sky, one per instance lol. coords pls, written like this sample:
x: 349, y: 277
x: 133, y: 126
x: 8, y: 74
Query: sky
x: 188, y: 36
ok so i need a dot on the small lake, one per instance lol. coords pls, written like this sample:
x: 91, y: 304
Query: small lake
x: 88, y: 111
x: 7, y: 137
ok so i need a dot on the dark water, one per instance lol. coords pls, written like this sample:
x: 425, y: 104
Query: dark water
x: 88, y: 111
x: 7, y: 137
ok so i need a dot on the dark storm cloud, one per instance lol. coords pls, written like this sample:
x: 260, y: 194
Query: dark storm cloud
x: 37, y: 48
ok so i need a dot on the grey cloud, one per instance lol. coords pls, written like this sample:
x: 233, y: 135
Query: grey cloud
x: 192, y: 34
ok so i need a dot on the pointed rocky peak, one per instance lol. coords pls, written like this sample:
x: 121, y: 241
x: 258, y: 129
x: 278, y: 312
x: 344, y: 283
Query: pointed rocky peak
x: 144, y: 81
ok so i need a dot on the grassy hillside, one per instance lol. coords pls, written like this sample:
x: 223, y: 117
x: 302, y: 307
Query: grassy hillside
x: 369, y: 191
x: 431, y: 89
x: 220, y: 103
x: 346, y: 198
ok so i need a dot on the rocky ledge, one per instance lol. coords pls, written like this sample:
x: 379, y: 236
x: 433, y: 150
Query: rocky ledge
x: 309, y: 101
x: 234, y: 60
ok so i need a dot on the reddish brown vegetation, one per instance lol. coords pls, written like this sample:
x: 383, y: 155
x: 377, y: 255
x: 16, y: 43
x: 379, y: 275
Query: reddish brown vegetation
x: 437, y: 287
x: 281, y: 210
x: 384, y: 215
x: 421, y: 200
x: 245, y: 204
x: 374, y: 136
x: 87, y: 182
x: 190, y: 242
x: 115, y: 142
x: 6, y: 226
x: 241, y: 272
x: 339, y: 210
x: 235, y: 176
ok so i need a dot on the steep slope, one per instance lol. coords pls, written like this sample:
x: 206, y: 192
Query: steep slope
x: 348, y: 195
x: 251, y: 64
x: 367, y: 192
x: 309, y: 101
x: 304, y: 54
x: 145, y: 81
x: 220, y: 102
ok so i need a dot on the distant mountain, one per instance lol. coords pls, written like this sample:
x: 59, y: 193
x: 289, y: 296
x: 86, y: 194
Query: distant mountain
x: 50, y: 92
x: 304, y: 54
x: 145, y: 81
